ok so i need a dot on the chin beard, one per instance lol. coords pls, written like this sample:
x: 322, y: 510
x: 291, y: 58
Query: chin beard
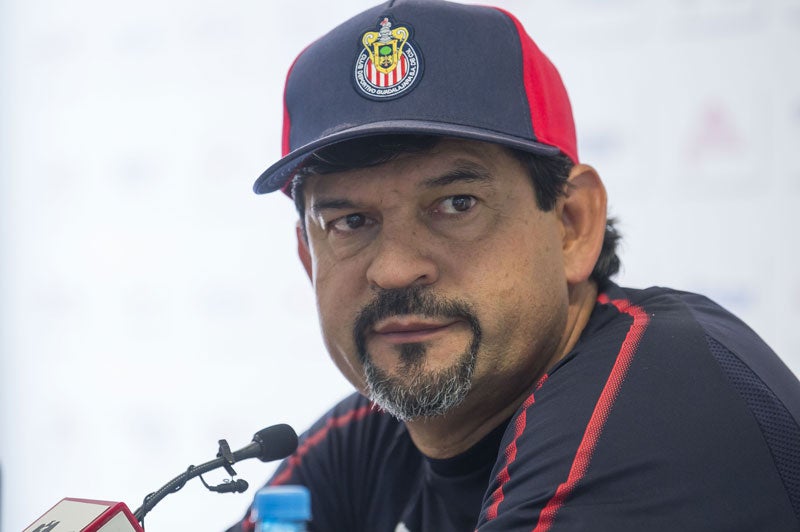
x: 417, y: 393
x: 414, y: 392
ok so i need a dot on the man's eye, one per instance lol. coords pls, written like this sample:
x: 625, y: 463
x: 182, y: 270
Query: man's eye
x: 456, y: 204
x: 350, y: 222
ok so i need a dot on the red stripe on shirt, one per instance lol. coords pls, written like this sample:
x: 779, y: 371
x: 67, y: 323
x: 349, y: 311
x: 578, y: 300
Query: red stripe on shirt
x: 608, y: 396
x: 317, y: 437
x: 511, y: 453
x: 248, y: 525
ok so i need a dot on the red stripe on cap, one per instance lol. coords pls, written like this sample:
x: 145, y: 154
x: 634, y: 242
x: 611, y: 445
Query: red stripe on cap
x: 287, y: 120
x: 583, y: 456
x: 511, y: 453
x: 319, y: 436
x: 287, y: 126
x: 551, y: 112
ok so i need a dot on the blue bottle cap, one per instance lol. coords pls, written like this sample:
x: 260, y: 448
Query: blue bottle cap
x: 283, y: 503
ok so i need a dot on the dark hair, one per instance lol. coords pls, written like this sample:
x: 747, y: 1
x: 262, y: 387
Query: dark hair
x: 548, y: 176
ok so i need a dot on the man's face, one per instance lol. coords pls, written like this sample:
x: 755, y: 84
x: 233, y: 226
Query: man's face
x: 439, y: 281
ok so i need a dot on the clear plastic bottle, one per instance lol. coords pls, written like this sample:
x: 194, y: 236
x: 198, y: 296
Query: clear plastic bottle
x: 282, y: 509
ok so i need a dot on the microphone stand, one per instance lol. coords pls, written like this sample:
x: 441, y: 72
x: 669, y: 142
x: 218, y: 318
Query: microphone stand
x: 225, y: 458
x: 271, y: 443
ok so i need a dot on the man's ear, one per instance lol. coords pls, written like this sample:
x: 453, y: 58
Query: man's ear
x: 302, y: 250
x: 583, y: 218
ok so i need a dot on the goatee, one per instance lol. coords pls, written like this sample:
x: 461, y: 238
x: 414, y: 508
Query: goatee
x: 418, y: 393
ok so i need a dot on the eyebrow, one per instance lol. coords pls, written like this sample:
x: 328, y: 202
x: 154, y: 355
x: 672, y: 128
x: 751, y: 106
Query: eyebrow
x: 465, y: 172
x: 322, y: 205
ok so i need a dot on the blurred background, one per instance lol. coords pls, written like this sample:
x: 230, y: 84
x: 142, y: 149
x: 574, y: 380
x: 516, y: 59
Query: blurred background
x: 150, y: 304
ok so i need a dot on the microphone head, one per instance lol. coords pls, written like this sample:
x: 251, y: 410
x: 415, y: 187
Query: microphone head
x: 276, y: 442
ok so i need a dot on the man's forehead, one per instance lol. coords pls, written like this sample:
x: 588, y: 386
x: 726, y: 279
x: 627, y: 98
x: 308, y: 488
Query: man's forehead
x: 447, y: 161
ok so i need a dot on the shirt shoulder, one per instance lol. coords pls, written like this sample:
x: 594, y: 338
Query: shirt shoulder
x: 354, y: 460
x: 636, y: 426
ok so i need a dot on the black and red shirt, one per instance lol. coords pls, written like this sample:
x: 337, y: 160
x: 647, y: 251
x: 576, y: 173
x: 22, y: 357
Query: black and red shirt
x: 669, y: 414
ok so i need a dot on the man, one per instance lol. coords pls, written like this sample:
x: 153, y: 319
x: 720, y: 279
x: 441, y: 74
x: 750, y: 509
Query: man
x: 461, y: 260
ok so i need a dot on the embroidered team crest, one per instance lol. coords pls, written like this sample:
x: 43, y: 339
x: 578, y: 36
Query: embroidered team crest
x: 389, y: 65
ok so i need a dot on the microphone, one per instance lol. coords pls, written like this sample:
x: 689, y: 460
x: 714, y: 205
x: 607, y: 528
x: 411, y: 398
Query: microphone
x: 239, y: 485
x: 271, y: 443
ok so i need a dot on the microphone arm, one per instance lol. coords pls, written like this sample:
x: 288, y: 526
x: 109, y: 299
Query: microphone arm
x: 174, y: 485
x: 271, y: 443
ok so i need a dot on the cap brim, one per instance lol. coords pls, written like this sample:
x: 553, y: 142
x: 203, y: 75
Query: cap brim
x: 276, y: 176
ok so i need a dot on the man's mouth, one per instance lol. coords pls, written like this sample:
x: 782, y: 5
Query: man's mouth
x: 410, y: 329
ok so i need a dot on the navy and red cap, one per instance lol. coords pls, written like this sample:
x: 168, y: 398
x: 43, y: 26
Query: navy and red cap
x: 423, y: 67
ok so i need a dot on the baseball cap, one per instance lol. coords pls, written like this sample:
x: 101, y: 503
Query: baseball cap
x: 423, y: 67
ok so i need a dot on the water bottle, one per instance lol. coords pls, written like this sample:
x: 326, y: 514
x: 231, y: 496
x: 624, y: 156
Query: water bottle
x: 282, y: 509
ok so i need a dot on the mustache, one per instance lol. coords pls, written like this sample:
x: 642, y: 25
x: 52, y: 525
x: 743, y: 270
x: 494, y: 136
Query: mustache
x: 410, y: 300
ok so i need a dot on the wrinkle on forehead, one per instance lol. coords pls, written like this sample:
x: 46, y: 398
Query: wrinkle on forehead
x: 457, y: 161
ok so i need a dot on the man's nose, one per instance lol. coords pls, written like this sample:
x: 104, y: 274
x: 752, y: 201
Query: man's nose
x: 402, y: 259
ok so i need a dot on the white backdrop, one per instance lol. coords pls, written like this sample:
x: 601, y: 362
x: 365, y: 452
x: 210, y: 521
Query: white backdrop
x: 150, y: 304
